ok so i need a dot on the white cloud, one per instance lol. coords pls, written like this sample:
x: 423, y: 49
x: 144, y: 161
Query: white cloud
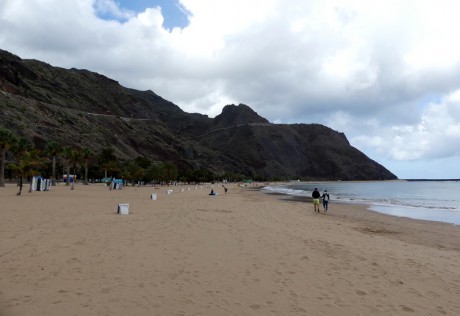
x: 362, y: 67
x: 436, y: 135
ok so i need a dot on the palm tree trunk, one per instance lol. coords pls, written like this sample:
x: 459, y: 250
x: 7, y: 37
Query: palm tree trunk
x: 68, y: 175
x: 30, y: 185
x: 86, y: 171
x: 53, y: 172
x: 2, y: 167
x: 20, y: 185
x: 73, y: 180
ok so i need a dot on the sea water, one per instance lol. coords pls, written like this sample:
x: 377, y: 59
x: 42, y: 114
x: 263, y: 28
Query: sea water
x: 426, y: 200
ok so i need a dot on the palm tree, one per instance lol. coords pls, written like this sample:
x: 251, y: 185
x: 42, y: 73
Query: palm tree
x: 154, y: 173
x: 113, y: 168
x: 86, y: 155
x: 74, y: 159
x: 66, y: 155
x: 170, y: 171
x: 53, y: 149
x: 27, y: 160
x: 32, y: 164
x: 107, y: 159
x: 133, y: 172
x: 7, y: 139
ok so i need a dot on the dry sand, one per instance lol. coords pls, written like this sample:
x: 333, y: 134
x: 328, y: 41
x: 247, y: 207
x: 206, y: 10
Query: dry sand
x: 67, y: 252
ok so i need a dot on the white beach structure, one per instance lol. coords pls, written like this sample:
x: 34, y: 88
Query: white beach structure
x: 123, y: 209
x: 40, y: 184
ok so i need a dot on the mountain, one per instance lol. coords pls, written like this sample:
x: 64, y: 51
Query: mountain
x: 86, y: 109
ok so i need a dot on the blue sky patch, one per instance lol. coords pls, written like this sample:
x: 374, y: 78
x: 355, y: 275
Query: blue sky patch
x: 174, y: 14
x: 424, y: 102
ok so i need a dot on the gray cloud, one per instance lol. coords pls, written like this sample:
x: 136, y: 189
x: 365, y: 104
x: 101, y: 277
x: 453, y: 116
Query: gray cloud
x: 368, y: 69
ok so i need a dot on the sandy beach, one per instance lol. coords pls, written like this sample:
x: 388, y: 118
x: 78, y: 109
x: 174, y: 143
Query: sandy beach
x: 67, y: 252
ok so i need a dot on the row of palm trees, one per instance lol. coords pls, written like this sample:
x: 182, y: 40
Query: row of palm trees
x: 26, y: 161
x: 29, y: 161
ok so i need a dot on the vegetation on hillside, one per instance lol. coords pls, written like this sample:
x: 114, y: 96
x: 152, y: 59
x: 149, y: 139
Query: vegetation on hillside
x: 21, y: 160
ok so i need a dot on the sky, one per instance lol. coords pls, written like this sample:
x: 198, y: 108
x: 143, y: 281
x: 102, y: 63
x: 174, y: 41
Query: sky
x: 385, y: 73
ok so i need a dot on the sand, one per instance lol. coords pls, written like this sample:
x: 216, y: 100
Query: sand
x: 67, y: 252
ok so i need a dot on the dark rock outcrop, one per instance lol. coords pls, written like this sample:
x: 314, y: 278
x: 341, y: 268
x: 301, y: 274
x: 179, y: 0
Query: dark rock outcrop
x: 86, y: 109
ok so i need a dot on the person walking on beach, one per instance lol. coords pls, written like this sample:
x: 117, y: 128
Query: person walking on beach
x: 325, y: 198
x: 315, y: 195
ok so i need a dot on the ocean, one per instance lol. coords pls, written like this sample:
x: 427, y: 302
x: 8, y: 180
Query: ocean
x: 425, y: 200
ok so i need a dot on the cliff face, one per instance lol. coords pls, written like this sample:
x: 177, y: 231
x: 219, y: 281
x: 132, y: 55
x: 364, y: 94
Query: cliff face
x: 85, y: 109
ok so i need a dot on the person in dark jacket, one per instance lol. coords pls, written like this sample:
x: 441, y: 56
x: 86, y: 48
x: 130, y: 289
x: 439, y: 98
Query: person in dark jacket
x: 315, y: 195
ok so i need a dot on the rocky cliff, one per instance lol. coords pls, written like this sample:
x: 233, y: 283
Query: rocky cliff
x: 85, y: 109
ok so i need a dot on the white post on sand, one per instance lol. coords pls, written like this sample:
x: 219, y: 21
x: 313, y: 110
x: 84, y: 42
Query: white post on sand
x: 33, y: 185
x: 153, y: 196
x: 123, y: 209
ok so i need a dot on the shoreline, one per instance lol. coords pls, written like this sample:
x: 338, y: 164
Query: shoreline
x: 246, y: 252
x: 429, y: 214
x: 375, y: 222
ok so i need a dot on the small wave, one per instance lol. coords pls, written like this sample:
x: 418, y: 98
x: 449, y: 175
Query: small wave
x: 284, y: 190
x: 429, y: 201
x: 352, y: 198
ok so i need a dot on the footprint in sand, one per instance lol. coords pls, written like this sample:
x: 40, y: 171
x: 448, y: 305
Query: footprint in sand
x: 407, y: 309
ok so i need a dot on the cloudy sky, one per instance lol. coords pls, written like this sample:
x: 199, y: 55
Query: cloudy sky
x: 384, y: 72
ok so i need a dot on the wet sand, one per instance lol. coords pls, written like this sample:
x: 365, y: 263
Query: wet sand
x: 67, y: 252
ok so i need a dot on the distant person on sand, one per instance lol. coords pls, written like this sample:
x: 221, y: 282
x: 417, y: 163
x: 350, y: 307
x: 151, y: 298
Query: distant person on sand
x: 225, y: 189
x: 325, y: 198
x: 212, y: 192
x: 315, y: 195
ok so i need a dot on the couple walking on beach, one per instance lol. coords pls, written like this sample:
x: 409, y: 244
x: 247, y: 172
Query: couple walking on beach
x: 317, y: 196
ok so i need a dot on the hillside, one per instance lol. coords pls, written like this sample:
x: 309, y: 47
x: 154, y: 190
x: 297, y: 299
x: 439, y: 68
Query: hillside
x: 85, y: 109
